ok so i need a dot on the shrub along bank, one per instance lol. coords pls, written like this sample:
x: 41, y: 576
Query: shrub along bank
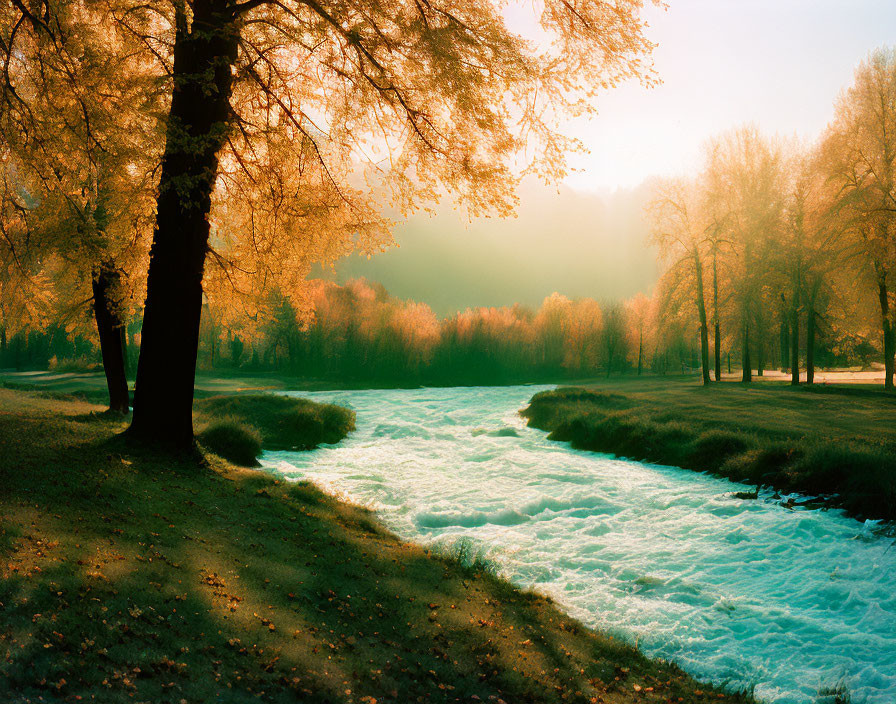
x: 238, y: 427
x: 763, y: 436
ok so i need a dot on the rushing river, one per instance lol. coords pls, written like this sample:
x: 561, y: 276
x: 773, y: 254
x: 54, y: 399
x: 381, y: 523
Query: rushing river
x: 738, y: 591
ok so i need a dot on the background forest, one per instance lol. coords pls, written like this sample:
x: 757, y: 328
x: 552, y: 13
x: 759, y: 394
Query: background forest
x: 776, y: 255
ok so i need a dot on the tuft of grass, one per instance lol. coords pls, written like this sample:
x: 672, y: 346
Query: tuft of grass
x: 283, y: 422
x: 232, y: 440
x: 759, y: 436
x: 468, y: 555
x: 712, y: 448
x: 836, y: 694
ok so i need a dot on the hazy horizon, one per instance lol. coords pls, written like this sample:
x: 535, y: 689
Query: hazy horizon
x: 576, y: 243
x: 779, y: 65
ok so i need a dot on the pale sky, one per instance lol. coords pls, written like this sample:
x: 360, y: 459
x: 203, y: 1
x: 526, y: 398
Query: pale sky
x: 779, y: 63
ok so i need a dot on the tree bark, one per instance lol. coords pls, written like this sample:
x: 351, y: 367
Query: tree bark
x: 123, y: 334
x: 717, y: 334
x: 109, y: 326
x: 811, y: 329
x: 747, y: 373
x: 760, y: 343
x: 197, y: 128
x: 701, y: 311
x: 640, y: 349
x: 887, y: 325
x: 795, y: 328
x: 810, y: 344
x: 795, y: 340
x: 783, y: 347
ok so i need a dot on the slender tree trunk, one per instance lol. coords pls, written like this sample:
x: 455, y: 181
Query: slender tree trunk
x: 760, y: 343
x: 717, y: 334
x: 784, y: 342
x: 811, y: 330
x: 109, y: 326
x: 197, y: 128
x: 123, y: 334
x: 640, y: 349
x: 701, y: 311
x: 747, y: 373
x: 18, y: 351
x: 214, y: 346
x: 795, y: 339
x: 887, y: 325
x: 810, y: 343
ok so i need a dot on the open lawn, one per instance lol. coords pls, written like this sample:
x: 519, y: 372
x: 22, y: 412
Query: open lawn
x: 127, y: 576
x: 823, y: 439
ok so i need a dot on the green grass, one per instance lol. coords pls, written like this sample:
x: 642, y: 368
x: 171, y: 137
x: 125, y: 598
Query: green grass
x: 282, y: 422
x: 837, y: 694
x: 232, y: 440
x: 467, y: 555
x: 840, y: 442
x: 126, y: 576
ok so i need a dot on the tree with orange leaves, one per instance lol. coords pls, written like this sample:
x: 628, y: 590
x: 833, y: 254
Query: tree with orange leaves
x: 859, y: 149
x: 428, y: 94
x: 679, y: 229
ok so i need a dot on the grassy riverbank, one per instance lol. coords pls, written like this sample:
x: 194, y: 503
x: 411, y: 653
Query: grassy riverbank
x: 127, y: 577
x: 827, y: 440
x: 238, y: 427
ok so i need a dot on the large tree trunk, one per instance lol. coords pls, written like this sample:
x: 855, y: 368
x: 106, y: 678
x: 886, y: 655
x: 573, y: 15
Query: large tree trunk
x: 197, y: 128
x: 701, y: 311
x: 110, y: 328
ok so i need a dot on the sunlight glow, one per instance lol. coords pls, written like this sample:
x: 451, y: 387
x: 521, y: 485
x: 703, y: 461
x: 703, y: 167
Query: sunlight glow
x: 723, y: 63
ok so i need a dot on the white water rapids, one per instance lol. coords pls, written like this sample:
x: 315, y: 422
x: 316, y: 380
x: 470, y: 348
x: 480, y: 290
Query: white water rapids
x: 738, y: 591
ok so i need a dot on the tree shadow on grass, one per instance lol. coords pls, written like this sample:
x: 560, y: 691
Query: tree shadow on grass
x: 131, y: 576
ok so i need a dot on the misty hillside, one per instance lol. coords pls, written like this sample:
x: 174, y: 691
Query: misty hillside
x: 580, y: 244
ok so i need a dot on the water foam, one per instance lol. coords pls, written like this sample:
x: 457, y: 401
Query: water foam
x: 743, y: 591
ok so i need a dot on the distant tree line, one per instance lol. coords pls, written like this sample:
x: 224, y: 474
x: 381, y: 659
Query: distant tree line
x: 783, y: 251
x: 359, y: 333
